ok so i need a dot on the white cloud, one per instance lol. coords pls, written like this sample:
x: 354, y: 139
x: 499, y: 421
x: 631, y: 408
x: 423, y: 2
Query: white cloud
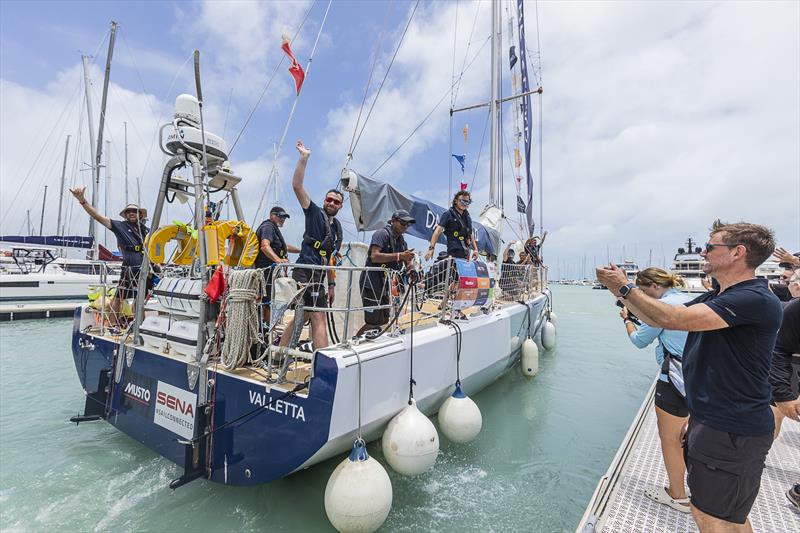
x: 658, y: 118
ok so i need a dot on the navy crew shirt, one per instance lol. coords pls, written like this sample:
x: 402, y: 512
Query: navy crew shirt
x: 460, y: 223
x: 270, y: 231
x: 316, y: 220
x: 726, y: 371
x: 129, y: 237
x: 386, y: 243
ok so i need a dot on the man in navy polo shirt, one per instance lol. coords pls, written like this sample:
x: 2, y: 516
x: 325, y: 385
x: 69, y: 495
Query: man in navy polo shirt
x: 726, y: 361
x: 272, y: 250
x: 322, y: 238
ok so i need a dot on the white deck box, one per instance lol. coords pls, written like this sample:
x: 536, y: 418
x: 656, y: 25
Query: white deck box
x: 182, y: 337
x: 154, y: 332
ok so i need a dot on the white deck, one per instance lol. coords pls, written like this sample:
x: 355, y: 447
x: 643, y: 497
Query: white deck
x: 619, y: 504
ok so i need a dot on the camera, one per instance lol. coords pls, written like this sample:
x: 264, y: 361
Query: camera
x: 633, y: 318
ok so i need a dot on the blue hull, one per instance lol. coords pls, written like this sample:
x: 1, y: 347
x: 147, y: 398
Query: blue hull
x: 262, y: 441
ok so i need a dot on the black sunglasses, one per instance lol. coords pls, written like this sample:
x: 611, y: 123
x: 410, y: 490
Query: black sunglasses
x: 403, y: 222
x: 465, y: 202
x: 710, y: 246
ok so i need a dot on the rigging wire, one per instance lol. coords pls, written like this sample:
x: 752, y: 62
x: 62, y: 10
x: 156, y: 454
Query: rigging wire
x: 269, y: 82
x: 53, y: 128
x: 138, y: 73
x: 469, y: 44
x: 386, y: 75
x: 450, y: 129
x: 369, y: 82
x: 374, y: 172
x: 289, y: 119
x: 480, y: 150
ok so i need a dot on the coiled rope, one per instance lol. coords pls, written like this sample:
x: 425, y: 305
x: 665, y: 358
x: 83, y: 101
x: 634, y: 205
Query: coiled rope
x: 241, y: 332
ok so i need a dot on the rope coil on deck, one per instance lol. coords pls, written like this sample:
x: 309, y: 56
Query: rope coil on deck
x: 242, y: 324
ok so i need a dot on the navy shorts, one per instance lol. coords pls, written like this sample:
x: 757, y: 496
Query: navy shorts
x: 724, y: 470
x: 314, y: 295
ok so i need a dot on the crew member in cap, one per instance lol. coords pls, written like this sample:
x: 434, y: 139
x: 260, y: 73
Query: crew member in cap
x: 272, y: 250
x: 388, y: 249
x: 130, y: 233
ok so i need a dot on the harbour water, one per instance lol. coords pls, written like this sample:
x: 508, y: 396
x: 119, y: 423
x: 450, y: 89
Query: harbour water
x: 544, y: 445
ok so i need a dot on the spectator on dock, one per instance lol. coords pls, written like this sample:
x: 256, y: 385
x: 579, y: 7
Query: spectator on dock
x: 726, y: 363
x: 784, y: 374
x: 670, y: 402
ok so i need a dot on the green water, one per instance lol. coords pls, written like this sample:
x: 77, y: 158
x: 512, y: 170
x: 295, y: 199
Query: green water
x: 544, y: 445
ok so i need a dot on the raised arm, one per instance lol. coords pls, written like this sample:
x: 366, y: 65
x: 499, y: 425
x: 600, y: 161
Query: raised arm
x: 544, y: 236
x: 78, y: 193
x: 300, y: 174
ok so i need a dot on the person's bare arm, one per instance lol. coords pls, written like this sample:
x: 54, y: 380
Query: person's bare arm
x: 654, y: 312
x: 292, y: 249
x: 300, y: 174
x: 376, y: 256
x: 544, y: 236
x: 782, y: 256
x: 78, y: 193
x: 270, y: 253
x: 434, y: 238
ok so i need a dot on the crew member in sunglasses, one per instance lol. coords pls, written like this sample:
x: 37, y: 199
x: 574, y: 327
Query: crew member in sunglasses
x: 457, y: 227
x: 321, y: 240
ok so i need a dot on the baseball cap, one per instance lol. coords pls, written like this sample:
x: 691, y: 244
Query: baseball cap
x: 403, y: 215
x: 281, y: 212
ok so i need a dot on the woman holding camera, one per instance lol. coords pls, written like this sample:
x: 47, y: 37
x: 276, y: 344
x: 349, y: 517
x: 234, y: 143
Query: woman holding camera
x: 672, y: 413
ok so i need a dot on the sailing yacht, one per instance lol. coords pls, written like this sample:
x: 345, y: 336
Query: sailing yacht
x: 35, y: 272
x: 206, y: 387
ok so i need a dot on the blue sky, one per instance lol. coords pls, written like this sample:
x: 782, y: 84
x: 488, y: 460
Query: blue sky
x: 658, y: 116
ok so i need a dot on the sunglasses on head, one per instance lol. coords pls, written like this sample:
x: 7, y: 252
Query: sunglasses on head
x: 332, y: 200
x: 710, y: 246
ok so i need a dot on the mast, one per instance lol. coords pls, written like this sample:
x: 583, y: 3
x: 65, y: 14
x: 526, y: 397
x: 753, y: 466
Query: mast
x: 494, y: 146
x: 41, y: 220
x: 61, y: 190
x: 90, y: 120
x: 138, y: 191
x: 99, y: 151
x: 125, y: 124
x: 105, y: 193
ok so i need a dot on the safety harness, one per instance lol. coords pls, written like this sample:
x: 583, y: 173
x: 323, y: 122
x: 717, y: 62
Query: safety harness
x: 279, y: 240
x: 330, y: 243
x: 464, y: 230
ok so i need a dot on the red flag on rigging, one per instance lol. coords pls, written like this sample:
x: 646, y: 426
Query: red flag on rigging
x: 295, y: 69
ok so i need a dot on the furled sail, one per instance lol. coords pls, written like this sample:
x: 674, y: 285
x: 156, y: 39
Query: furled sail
x: 373, y: 202
x: 65, y: 241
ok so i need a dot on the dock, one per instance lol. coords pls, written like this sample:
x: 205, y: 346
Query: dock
x: 26, y: 311
x: 619, y: 504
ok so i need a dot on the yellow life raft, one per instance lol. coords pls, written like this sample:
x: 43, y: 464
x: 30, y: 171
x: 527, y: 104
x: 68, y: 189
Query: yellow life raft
x: 229, y: 241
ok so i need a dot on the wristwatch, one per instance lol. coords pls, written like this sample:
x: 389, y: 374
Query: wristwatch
x: 626, y: 289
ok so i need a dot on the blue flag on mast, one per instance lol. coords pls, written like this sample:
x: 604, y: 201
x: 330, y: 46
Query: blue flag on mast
x: 462, y: 159
x: 525, y: 108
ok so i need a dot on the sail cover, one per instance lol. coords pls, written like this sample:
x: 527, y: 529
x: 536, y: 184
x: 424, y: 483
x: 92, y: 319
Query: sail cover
x: 65, y: 241
x: 374, y: 201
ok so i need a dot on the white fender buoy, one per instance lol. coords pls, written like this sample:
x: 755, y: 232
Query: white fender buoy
x: 529, y: 361
x: 410, y: 442
x: 358, y: 495
x: 548, y: 336
x: 554, y: 318
x: 460, y: 417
